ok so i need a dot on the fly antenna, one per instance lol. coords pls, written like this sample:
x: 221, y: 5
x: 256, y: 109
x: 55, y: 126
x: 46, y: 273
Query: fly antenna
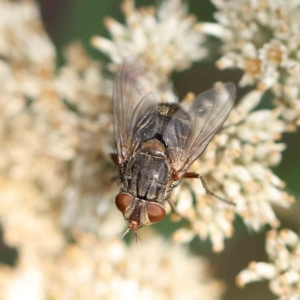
x: 125, y: 232
x: 137, y: 238
x: 132, y: 225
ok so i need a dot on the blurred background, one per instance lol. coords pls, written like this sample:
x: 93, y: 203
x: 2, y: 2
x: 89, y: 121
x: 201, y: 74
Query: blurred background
x: 69, y: 20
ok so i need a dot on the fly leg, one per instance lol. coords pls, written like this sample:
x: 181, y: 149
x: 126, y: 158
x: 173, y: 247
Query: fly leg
x: 207, y: 189
x: 173, y: 207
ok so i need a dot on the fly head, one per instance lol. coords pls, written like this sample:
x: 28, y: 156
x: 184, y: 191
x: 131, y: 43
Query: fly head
x: 139, y: 212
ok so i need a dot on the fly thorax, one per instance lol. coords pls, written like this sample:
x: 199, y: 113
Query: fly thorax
x: 155, y: 148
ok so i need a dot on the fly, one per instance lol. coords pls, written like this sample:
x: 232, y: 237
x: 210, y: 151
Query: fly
x: 157, y: 143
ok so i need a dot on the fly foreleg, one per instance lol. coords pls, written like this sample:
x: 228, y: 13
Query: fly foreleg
x: 173, y: 207
x: 207, y: 189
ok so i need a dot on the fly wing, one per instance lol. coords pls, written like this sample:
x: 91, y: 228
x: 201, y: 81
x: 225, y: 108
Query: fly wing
x: 135, y: 108
x: 192, y: 127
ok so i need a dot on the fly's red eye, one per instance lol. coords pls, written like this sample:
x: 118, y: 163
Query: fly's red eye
x: 122, y: 201
x: 155, y: 213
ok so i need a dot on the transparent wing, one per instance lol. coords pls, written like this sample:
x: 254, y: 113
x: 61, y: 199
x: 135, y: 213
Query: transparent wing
x: 192, y: 127
x: 135, y: 108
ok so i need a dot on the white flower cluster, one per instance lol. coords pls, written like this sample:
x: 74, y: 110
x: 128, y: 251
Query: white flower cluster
x: 262, y: 39
x: 113, y: 271
x: 56, y: 134
x: 236, y: 166
x: 20, y: 28
x: 49, y: 266
x: 283, y: 270
x: 165, y: 41
x: 88, y: 194
x: 56, y: 178
x: 34, y: 141
x: 237, y: 163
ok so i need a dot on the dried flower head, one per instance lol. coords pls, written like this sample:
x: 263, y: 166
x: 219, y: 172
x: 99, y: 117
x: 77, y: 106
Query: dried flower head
x: 283, y: 270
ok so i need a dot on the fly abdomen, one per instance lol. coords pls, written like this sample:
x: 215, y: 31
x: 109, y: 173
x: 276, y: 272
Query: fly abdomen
x: 148, y: 171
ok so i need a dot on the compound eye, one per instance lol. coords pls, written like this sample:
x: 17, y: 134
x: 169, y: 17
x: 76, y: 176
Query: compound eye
x: 155, y: 212
x: 122, y: 201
